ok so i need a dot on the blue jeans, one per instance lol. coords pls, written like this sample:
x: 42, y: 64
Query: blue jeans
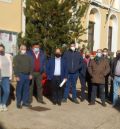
x: 4, y: 90
x: 71, y: 82
x: 22, y: 89
x: 116, y: 84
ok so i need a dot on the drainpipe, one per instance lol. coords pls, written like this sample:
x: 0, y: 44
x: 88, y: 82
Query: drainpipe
x: 23, y: 18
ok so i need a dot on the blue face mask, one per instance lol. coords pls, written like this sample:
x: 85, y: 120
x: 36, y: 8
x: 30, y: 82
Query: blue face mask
x: 36, y: 50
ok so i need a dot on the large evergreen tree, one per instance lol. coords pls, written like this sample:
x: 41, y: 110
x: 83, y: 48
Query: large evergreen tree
x: 53, y: 22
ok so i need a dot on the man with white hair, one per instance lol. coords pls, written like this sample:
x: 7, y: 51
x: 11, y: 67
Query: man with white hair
x: 98, y: 69
x: 23, y: 71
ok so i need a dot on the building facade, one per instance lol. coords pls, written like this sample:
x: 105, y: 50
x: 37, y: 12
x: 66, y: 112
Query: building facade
x: 11, y: 23
x: 102, y: 20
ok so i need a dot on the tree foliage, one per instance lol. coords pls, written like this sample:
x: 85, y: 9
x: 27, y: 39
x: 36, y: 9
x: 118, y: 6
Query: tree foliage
x: 54, y: 23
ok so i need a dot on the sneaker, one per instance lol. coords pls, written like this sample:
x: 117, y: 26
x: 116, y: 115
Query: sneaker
x: 64, y: 100
x: 104, y: 105
x: 75, y: 101
x: 1, y: 108
x: 27, y: 105
x: 41, y: 101
x: 19, y: 106
x: 5, y: 108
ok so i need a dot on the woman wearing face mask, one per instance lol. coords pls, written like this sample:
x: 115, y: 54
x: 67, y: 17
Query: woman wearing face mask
x: 57, y: 72
x: 23, y: 71
x: 98, y: 69
x: 5, y: 77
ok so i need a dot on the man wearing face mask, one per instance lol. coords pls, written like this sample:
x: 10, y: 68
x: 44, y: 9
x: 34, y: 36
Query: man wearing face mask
x: 23, y: 71
x: 115, y: 73
x: 5, y: 77
x: 74, y: 64
x: 38, y: 61
x: 57, y: 72
x: 107, y: 78
x: 98, y: 69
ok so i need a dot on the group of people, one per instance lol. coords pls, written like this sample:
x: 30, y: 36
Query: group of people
x: 62, y: 71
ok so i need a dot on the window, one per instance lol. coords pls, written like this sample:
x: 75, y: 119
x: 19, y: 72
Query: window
x: 91, y: 35
x: 9, y: 39
x: 110, y: 38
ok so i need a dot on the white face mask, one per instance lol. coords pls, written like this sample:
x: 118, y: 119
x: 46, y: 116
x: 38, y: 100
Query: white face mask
x: 99, y: 54
x: 105, y: 53
x: 92, y: 57
x: 36, y: 50
x: 73, y: 48
x: 23, y: 51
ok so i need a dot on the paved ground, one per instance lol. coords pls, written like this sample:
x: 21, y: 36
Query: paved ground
x: 68, y: 116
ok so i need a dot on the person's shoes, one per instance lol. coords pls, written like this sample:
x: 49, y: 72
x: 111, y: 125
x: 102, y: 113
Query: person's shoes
x: 19, y: 106
x: 27, y: 105
x: 41, y: 101
x: 54, y: 102
x: 5, y: 108
x: 104, y: 105
x: 1, y: 108
x: 114, y: 105
x: 64, y: 100
x: 30, y: 101
x: 59, y: 103
x: 82, y: 100
x: 92, y: 103
x: 75, y: 101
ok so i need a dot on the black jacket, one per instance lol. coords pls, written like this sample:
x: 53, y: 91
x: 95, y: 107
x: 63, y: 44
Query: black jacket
x: 113, y: 66
x: 74, y: 61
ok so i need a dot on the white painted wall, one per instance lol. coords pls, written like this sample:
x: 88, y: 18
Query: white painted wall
x: 97, y: 31
x: 114, y: 33
x: 116, y: 4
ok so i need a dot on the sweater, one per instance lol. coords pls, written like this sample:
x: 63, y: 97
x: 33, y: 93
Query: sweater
x: 9, y: 64
x: 36, y: 62
x: 22, y: 64
x: 42, y: 60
